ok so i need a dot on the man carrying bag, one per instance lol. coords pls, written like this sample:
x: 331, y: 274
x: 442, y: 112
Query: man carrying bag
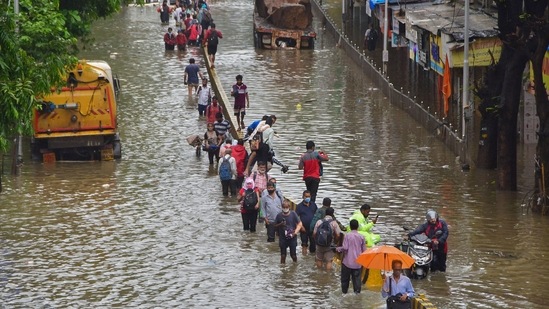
x: 398, y: 287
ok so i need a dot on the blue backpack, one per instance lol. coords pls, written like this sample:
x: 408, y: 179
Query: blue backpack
x: 225, y: 170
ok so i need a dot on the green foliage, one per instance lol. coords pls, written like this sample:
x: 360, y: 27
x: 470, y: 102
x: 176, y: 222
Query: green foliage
x: 36, y: 47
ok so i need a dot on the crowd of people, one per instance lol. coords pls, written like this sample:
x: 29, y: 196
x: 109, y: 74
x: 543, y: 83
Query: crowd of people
x: 194, y: 26
x: 243, y: 166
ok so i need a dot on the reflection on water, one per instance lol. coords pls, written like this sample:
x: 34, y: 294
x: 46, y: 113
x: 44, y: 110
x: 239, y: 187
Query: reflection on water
x: 153, y: 230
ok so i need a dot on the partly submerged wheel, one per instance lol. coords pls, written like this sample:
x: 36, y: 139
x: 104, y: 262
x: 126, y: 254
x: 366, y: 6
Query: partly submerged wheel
x: 311, y: 43
x: 117, y: 147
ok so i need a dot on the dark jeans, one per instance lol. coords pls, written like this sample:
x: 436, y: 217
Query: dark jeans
x: 239, y: 180
x: 439, y: 260
x: 349, y: 273
x: 307, y: 240
x: 226, y: 184
x: 285, y: 243
x: 249, y: 220
x: 270, y: 232
x: 212, y: 154
x: 312, y: 185
x: 202, y: 109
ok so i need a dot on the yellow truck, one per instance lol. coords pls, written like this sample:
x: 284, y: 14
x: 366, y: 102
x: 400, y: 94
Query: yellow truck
x: 78, y: 121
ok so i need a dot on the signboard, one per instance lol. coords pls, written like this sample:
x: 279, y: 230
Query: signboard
x: 411, y: 34
x: 395, y: 25
x: 398, y: 40
x: 436, y: 54
x: 479, y: 53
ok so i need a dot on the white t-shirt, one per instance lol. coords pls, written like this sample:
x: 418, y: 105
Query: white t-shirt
x: 204, y: 94
x: 177, y: 14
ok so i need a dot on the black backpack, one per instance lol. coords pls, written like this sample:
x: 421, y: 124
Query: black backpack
x: 250, y: 199
x: 324, y: 234
x: 213, y: 39
x: 207, y: 16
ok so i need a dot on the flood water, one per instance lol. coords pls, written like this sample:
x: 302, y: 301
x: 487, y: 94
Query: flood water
x: 154, y: 231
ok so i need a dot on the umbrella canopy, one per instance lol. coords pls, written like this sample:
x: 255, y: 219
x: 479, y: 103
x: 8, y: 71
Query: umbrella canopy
x: 381, y: 257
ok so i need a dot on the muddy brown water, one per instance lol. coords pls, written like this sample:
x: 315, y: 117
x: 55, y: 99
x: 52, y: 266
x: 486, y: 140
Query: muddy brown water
x: 153, y: 230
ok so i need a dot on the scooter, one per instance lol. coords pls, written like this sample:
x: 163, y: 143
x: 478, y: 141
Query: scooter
x: 420, y: 248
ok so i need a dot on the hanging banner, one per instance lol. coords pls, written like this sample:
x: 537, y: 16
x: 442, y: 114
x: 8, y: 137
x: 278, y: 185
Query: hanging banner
x: 479, y: 53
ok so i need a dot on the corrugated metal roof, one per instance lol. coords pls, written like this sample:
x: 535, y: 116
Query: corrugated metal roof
x: 450, y: 19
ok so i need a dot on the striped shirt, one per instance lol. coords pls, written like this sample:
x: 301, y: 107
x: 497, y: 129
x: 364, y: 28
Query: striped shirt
x: 222, y: 127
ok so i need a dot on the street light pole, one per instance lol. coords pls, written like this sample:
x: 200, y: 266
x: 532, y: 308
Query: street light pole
x: 465, y: 95
x: 19, y: 139
x: 385, y: 54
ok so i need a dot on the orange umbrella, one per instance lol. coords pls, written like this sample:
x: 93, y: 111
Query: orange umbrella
x: 381, y: 257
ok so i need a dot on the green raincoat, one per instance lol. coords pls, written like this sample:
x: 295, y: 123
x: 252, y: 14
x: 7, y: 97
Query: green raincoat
x: 364, y: 227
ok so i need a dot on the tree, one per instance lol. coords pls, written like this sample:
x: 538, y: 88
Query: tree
x: 36, y: 47
x: 537, y: 24
x: 33, y: 55
x: 523, y: 31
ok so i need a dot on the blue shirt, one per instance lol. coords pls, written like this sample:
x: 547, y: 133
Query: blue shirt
x: 306, y: 214
x: 253, y: 125
x: 271, y: 206
x: 404, y: 285
x: 192, y: 73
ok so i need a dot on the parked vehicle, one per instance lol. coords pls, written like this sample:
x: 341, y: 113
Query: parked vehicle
x: 78, y: 121
x: 283, y: 24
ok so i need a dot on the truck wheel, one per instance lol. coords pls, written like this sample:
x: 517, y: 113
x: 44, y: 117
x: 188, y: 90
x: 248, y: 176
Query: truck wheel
x: 311, y: 43
x: 36, y: 155
x: 117, y: 147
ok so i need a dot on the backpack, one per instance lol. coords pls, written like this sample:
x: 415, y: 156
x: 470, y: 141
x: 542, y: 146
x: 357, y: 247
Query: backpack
x: 213, y: 39
x: 250, y: 200
x: 206, y: 16
x: 324, y: 234
x: 317, y: 216
x: 225, y: 170
x: 373, y: 35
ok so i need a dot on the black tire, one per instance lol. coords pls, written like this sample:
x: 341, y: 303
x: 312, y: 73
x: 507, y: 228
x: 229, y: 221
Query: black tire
x: 117, y: 147
x: 311, y: 43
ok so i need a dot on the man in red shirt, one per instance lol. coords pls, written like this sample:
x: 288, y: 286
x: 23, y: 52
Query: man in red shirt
x: 211, y: 39
x: 240, y: 155
x: 181, y: 40
x: 169, y: 40
x: 311, y: 166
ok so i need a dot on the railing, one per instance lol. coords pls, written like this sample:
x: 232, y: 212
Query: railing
x: 396, y: 97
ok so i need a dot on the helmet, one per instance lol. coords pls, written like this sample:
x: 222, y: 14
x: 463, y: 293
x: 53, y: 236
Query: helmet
x: 431, y: 214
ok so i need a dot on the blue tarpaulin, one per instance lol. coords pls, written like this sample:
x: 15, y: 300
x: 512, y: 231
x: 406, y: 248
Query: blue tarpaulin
x: 373, y: 3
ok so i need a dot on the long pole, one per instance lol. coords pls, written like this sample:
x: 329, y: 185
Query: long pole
x: 19, y: 139
x: 385, y: 37
x: 465, y: 96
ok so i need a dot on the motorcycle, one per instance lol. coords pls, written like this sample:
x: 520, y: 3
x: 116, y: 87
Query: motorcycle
x: 420, y: 248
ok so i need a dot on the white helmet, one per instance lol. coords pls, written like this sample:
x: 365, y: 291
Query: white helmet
x: 431, y: 214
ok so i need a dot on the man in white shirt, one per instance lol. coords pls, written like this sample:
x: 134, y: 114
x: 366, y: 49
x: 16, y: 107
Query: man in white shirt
x: 205, y: 95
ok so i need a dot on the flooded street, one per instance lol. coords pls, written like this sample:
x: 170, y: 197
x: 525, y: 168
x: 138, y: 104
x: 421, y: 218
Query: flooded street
x: 154, y: 231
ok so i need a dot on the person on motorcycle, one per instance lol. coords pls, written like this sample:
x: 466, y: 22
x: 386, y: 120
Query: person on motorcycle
x: 365, y: 225
x: 437, y: 230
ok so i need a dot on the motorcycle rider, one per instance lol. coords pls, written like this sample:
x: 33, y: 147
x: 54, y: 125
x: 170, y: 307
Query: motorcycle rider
x: 430, y: 228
